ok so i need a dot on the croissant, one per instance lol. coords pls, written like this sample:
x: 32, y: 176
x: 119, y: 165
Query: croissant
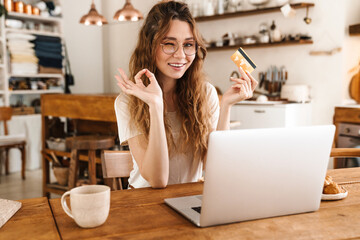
x: 333, y: 188
x: 328, y: 180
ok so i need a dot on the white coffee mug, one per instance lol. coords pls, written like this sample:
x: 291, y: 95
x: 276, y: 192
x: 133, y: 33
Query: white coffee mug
x: 90, y: 205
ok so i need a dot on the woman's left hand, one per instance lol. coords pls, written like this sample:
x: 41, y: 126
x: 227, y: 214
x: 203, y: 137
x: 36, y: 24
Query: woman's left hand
x: 242, y: 88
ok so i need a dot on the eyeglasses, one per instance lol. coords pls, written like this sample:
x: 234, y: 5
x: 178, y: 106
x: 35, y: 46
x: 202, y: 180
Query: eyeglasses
x: 170, y: 47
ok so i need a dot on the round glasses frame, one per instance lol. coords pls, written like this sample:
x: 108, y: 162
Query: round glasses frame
x: 177, y: 48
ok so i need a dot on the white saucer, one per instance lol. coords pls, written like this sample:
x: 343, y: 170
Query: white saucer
x: 334, y: 196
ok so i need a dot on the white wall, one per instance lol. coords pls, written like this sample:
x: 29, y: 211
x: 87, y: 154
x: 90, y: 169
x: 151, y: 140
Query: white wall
x: 120, y: 39
x: 85, y: 47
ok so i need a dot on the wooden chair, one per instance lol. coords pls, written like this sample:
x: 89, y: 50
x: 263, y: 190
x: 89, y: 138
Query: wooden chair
x: 116, y: 168
x: 90, y: 143
x: 344, y: 153
x: 117, y: 165
x: 11, y: 141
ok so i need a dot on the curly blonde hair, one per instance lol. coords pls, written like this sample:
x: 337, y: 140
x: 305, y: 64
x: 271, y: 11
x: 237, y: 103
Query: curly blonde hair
x: 193, y: 108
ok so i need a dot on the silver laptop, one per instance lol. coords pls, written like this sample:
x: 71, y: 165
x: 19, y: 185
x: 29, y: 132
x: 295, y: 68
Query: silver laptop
x: 260, y: 173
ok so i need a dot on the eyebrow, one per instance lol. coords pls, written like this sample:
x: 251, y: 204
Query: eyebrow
x: 172, y: 38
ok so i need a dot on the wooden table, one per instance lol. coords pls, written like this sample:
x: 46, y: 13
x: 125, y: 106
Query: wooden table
x: 142, y: 214
x: 34, y: 220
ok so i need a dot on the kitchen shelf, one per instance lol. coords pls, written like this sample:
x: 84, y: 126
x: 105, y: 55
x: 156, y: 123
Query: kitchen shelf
x: 250, y: 12
x: 15, y: 15
x: 40, y: 75
x: 354, y: 30
x: 36, y: 32
x: 29, y: 92
x: 48, y: 26
x: 261, y: 45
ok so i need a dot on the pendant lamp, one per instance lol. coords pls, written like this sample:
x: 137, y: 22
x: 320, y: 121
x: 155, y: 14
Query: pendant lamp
x: 93, y: 17
x: 128, y: 13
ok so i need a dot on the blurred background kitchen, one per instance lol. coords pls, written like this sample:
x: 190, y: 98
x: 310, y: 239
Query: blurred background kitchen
x: 307, y: 55
x: 96, y: 52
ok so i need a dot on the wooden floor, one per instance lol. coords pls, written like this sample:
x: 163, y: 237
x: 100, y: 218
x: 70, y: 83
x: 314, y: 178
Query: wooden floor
x: 14, y: 188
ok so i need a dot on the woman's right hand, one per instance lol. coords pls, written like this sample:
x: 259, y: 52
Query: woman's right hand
x: 150, y: 94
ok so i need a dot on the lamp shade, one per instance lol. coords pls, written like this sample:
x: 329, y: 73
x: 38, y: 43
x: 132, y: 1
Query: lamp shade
x: 93, y: 17
x: 128, y: 13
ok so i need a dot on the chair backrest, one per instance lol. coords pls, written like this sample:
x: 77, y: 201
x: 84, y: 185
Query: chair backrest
x: 345, y: 152
x: 5, y: 115
x: 116, y: 165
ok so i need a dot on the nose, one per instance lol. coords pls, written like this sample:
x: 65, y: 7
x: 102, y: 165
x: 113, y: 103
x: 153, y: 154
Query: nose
x: 179, y: 52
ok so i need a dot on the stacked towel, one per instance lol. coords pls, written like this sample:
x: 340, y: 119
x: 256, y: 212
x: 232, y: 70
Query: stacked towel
x: 22, y: 53
x: 49, y: 52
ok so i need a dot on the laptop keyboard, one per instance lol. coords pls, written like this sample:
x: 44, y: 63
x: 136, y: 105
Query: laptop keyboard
x: 197, y: 209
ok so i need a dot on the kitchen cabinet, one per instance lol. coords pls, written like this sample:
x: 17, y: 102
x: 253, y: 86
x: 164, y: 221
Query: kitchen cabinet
x: 256, y: 12
x: 41, y: 26
x: 346, y: 119
x: 267, y: 116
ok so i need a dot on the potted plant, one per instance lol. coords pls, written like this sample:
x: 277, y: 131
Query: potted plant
x: 3, y: 10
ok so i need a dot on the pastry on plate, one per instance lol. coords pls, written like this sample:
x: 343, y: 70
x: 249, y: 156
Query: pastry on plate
x: 328, y: 180
x: 331, y: 187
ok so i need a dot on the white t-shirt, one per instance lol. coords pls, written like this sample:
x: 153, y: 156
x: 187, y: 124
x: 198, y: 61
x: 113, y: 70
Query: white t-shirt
x: 183, y: 167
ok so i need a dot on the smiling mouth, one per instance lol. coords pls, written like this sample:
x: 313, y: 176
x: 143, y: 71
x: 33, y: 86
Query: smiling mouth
x: 178, y: 65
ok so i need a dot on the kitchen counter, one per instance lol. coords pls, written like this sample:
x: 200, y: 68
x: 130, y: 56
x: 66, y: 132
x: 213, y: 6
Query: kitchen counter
x: 271, y: 114
x: 349, y: 106
x: 267, y: 103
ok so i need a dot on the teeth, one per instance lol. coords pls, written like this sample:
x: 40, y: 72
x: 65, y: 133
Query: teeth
x: 176, y: 65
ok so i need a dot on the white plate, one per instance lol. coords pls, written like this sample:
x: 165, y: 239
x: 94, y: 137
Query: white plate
x: 334, y: 196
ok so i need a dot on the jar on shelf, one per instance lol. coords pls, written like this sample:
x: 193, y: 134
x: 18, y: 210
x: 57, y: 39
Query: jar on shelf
x: 208, y: 8
x: 19, y: 7
x: 35, y: 11
x: 220, y: 7
x: 264, y: 36
x: 9, y: 5
x: 275, y: 34
x: 28, y: 9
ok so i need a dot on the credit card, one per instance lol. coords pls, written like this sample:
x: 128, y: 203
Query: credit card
x: 241, y: 59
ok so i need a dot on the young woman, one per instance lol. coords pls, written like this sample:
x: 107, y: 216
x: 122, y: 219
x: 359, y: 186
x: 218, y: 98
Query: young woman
x: 167, y: 109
